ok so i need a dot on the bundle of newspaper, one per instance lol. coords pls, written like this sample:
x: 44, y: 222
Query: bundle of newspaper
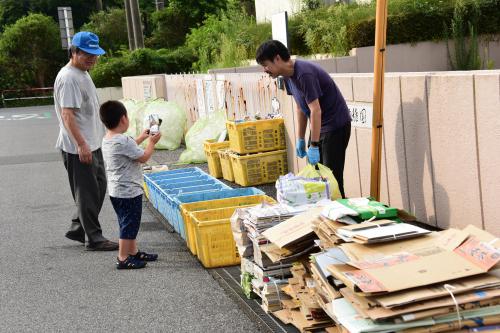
x: 267, y: 283
x: 434, y: 283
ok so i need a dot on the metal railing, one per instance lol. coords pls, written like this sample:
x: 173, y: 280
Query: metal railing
x: 25, y: 94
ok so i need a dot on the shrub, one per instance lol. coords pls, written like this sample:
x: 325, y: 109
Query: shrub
x: 109, y: 71
x: 227, y: 40
x: 31, y: 52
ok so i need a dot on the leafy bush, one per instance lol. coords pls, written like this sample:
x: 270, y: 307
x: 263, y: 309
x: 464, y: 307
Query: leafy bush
x: 111, y: 27
x: 31, y: 52
x: 227, y: 40
x: 338, y: 28
x: 109, y: 71
x: 466, y: 53
x: 172, y: 24
x: 421, y: 22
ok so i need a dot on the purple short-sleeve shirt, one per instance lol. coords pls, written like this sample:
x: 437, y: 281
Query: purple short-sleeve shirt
x: 310, y: 82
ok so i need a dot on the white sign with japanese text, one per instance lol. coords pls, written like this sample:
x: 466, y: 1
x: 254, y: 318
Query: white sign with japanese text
x: 361, y: 114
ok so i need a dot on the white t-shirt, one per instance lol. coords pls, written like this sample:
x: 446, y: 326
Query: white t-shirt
x: 123, y: 172
x: 74, y: 89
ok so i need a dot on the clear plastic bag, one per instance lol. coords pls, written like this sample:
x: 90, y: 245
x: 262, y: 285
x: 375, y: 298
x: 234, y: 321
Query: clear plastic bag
x: 135, y: 111
x: 205, y: 128
x: 321, y: 171
x: 173, y: 122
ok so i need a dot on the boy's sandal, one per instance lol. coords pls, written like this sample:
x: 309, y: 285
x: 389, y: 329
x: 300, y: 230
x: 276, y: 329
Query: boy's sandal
x: 130, y: 263
x: 146, y: 256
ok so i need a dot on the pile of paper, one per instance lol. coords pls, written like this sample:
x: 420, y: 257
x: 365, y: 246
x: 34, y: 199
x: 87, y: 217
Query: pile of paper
x: 436, y: 281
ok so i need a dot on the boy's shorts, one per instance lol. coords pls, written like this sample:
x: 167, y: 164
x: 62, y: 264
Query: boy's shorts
x: 129, y: 211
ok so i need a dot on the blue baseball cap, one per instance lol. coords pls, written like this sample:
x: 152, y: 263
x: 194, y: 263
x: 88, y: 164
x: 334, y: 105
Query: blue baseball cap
x: 87, y: 42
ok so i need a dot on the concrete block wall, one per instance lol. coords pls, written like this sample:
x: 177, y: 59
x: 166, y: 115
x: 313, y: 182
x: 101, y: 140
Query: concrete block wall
x: 109, y: 93
x: 441, y: 139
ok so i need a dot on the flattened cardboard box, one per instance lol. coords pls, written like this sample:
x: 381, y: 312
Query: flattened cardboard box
x: 462, y: 259
x: 293, y: 229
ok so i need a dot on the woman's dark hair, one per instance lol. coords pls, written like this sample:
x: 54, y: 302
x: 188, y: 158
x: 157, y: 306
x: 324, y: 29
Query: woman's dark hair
x: 270, y: 49
x: 111, y: 112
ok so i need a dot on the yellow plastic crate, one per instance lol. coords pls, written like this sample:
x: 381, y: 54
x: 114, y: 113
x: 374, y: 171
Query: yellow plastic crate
x: 214, y: 239
x: 211, y: 147
x: 256, y: 136
x: 226, y: 165
x: 146, y: 190
x: 236, y: 202
x: 262, y: 168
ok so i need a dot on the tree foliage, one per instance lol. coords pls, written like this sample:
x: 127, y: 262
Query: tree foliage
x: 172, y: 24
x: 111, y: 27
x: 31, y: 48
x: 227, y: 40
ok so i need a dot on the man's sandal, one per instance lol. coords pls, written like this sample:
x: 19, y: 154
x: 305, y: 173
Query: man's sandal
x: 130, y: 263
x: 146, y: 256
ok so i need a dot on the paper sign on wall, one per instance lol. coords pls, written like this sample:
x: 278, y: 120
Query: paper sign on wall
x: 146, y: 86
x: 361, y: 114
x: 210, y: 103
x: 200, y: 95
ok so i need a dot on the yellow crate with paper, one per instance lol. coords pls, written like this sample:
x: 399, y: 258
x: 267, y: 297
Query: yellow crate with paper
x: 313, y: 184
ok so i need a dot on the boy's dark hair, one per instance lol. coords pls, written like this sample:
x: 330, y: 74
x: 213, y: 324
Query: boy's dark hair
x: 111, y: 112
x: 270, y: 49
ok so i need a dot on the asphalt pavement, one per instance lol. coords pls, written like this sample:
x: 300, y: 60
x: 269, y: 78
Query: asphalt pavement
x: 51, y: 284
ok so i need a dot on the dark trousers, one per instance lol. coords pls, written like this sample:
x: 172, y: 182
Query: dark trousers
x: 332, y: 148
x: 88, y: 187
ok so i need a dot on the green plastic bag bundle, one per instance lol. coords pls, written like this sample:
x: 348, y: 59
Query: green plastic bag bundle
x: 205, y: 128
x: 319, y: 170
x: 135, y: 111
x: 173, y: 122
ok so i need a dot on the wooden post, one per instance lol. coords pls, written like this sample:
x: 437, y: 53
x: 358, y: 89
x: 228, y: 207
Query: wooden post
x: 378, y: 97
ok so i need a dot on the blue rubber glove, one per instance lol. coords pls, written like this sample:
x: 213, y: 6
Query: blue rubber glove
x: 313, y: 155
x: 301, y: 148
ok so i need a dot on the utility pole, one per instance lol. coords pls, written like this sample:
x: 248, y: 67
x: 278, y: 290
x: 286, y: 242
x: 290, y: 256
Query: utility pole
x: 134, y: 25
x: 130, y: 29
x: 160, y: 4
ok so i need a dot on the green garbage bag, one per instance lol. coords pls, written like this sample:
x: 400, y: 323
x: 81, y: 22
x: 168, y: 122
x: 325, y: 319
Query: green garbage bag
x: 135, y: 111
x: 173, y: 122
x: 205, y: 128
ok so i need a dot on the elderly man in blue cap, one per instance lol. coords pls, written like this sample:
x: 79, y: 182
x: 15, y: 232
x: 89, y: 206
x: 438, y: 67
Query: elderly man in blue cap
x: 80, y: 137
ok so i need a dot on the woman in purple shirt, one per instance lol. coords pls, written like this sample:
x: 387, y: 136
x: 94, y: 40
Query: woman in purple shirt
x: 319, y: 100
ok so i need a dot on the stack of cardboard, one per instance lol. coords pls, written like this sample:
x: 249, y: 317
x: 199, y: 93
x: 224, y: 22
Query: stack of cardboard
x: 268, y: 276
x: 438, y: 281
x: 302, y: 309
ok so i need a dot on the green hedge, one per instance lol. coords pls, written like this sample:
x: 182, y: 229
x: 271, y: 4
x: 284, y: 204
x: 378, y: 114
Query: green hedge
x: 412, y: 27
x: 338, y: 28
x: 109, y: 71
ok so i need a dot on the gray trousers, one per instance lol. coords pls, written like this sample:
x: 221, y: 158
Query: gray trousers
x: 88, y: 187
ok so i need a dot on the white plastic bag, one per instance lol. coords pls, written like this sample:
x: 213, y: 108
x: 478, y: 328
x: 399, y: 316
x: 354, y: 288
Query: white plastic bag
x: 297, y: 191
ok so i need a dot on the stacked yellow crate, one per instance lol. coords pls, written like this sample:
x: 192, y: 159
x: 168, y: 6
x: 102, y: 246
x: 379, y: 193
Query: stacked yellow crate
x: 258, y: 151
x: 211, y: 148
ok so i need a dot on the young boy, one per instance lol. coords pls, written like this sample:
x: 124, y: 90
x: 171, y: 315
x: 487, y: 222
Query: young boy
x: 123, y: 158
